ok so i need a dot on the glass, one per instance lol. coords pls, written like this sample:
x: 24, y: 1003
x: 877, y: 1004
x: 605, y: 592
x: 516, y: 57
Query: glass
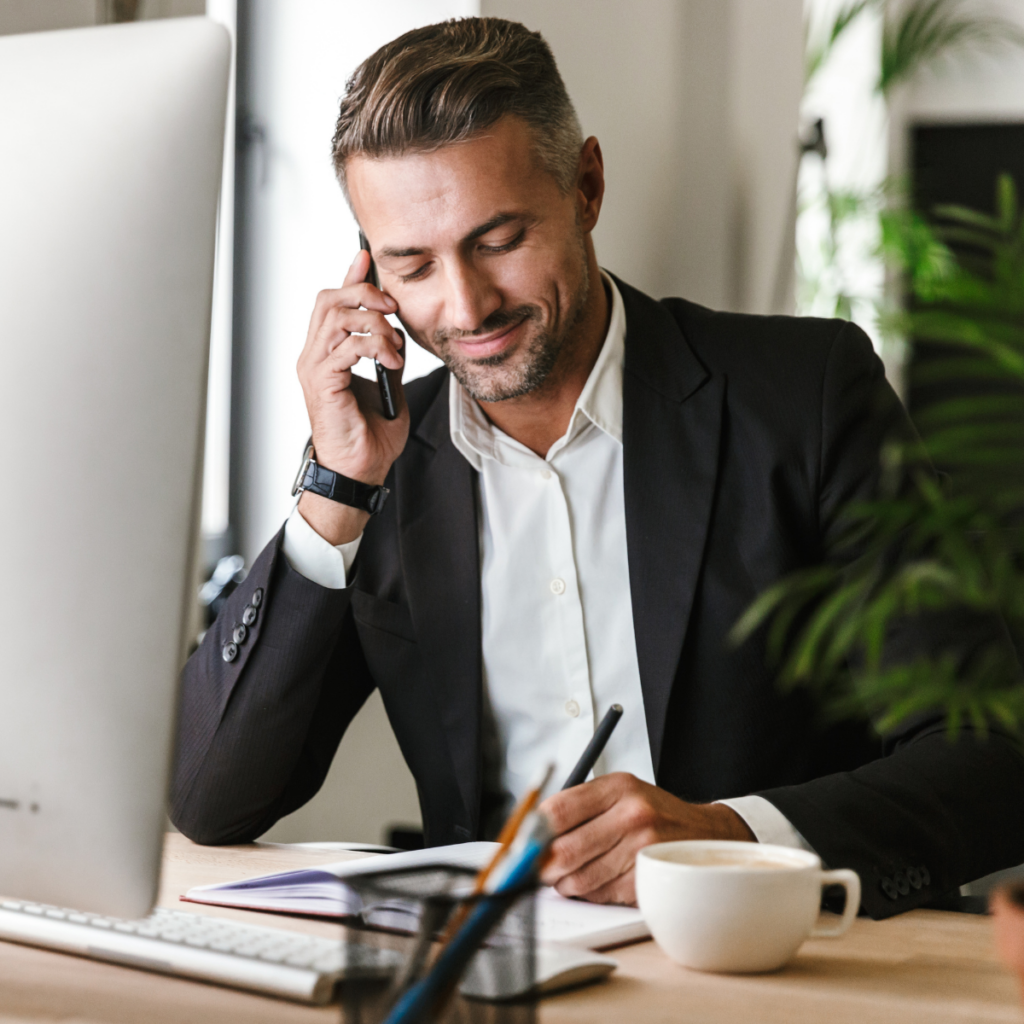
x: 410, y: 912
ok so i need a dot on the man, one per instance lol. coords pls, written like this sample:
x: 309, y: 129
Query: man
x: 580, y: 506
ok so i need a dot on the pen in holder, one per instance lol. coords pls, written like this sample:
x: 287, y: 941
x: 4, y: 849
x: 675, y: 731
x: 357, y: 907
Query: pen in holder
x: 408, y: 911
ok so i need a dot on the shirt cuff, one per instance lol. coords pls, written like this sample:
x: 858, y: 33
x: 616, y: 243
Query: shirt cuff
x: 767, y: 822
x: 315, y: 558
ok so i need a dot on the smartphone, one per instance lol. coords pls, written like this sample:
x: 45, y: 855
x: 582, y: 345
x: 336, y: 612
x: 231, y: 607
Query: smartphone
x: 387, y: 397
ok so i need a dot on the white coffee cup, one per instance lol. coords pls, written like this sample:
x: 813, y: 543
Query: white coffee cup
x: 716, y: 905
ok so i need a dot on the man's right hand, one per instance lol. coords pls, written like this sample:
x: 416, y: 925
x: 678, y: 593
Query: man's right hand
x: 350, y: 434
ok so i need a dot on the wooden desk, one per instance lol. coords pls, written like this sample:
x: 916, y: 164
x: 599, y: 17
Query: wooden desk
x: 925, y: 967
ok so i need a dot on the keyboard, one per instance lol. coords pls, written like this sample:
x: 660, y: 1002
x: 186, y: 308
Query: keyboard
x: 272, y: 961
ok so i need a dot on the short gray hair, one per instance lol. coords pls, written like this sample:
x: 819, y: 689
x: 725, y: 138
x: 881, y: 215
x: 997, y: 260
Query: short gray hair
x: 445, y: 83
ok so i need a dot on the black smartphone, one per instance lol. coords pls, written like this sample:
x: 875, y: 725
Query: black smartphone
x: 387, y: 397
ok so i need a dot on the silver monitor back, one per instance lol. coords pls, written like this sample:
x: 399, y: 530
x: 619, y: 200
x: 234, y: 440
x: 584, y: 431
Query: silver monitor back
x: 111, y: 142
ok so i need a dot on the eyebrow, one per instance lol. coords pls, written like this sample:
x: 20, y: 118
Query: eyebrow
x: 483, y: 229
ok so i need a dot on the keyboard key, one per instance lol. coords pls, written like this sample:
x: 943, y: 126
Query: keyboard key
x: 330, y: 963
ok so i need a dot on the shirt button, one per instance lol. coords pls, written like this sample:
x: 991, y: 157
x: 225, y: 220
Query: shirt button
x: 572, y: 709
x: 557, y: 586
x: 546, y: 475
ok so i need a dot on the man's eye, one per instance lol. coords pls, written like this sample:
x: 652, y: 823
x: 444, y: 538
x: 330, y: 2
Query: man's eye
x: 417, y: 273
x: 506, y: 247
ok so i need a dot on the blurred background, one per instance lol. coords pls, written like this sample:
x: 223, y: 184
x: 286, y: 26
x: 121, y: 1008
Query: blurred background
x: 752, y: 150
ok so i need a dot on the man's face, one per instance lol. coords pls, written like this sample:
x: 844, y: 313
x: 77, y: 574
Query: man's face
x: 484, y: 255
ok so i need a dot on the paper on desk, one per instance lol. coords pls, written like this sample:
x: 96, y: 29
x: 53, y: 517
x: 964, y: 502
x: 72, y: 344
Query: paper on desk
x: 316, y: 892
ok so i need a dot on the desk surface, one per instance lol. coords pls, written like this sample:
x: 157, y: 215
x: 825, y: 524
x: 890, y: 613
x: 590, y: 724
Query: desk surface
x: 926, y: 966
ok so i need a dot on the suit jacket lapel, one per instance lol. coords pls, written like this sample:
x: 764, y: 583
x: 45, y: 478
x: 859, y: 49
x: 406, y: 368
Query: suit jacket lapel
x: 672, y: 411
x: 437, y: 517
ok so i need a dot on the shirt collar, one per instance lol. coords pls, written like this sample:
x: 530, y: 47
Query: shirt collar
x: 600, y: 401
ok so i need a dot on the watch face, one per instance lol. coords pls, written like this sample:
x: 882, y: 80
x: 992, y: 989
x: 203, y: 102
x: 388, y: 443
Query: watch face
x: 307, y: 457
x: 377, y: 499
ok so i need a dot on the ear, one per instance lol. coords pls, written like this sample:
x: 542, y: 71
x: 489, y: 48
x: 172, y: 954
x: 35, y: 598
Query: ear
x: 590, y: 184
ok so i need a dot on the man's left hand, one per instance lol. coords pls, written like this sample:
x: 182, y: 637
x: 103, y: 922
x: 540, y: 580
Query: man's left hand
x: 602, y: 825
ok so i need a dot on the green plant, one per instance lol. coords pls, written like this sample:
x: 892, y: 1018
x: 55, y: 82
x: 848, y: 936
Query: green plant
x: 819, y: 43
x: 915, y: 34
x: 924, y: 548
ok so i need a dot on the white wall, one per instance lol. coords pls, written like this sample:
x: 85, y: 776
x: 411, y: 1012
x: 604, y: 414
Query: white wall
x: 742, y: 92
x: 696, y: 106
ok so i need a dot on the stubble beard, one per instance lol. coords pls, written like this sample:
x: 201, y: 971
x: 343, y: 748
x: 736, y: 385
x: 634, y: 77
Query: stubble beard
x: 513, y: 374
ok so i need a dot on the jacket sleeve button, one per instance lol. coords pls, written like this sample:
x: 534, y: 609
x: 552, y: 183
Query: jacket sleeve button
x: 889, y: 888
x: 914, y: 878
x: 926, y: 878
x: 229, y: 651
x: 257, y: 597
x: 239, y: 634
x: 249, y: 615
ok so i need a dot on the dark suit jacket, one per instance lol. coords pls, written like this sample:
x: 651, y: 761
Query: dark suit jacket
x: 743, y: 437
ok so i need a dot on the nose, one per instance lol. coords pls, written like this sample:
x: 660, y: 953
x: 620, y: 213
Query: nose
x: 471, y: 297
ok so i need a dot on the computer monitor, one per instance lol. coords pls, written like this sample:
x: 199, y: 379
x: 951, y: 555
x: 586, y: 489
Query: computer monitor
x: 112, y: 143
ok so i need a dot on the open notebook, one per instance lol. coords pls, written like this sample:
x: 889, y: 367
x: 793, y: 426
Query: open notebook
x: 317, y: 892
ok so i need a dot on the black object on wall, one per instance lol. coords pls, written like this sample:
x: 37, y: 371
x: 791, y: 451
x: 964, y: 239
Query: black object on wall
x: 958, y: 164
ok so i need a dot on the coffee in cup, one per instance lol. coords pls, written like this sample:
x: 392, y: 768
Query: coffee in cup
x: 717, y: 905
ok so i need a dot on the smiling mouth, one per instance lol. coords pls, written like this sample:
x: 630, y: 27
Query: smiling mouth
x: 490, y: 344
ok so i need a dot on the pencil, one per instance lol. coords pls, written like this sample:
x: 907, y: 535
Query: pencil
x: 508, y: 833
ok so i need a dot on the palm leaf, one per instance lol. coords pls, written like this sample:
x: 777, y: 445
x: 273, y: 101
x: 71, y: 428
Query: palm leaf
x: 818, y: 45
x: 924, y: 31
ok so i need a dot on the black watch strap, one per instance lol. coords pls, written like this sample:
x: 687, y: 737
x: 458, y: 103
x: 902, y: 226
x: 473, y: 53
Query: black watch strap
x: 319, y: 480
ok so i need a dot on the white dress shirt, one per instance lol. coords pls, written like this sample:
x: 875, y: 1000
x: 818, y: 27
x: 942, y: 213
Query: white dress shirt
x: 557, y: 620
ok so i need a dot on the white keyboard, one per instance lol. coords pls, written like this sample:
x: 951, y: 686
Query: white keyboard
x: 268, y: 960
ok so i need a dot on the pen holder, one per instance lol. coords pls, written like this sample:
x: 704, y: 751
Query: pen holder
x: 410, y: 912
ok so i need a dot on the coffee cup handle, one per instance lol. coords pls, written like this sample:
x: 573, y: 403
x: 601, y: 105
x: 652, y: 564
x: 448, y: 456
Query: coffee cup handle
x: 850, y: 881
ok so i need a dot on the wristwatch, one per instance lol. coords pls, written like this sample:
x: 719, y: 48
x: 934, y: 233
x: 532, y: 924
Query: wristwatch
x: 319, y: 480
